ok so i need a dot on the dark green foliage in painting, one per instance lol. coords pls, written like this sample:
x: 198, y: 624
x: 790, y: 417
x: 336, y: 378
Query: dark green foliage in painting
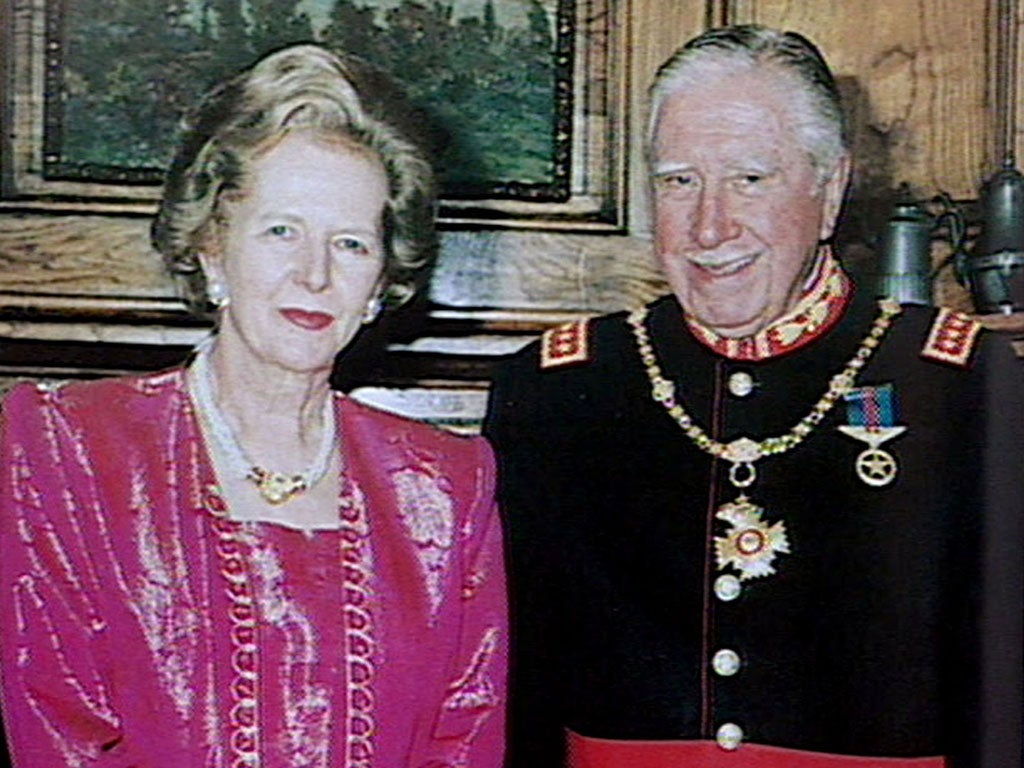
x: 276, y: 23
x: 133, y: 66
x: 226, y: 35
x: 490, y: 87
x: 127, y: 85
x: 352, y: 28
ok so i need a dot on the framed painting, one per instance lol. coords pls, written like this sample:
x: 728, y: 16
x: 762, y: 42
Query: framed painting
x: 523, y: 94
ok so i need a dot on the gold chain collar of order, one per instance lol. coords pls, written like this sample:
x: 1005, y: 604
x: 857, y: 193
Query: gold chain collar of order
x: 751, y: 544
x: 744, y: 451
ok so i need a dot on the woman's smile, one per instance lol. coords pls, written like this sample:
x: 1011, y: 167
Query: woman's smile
x: 309, y: 320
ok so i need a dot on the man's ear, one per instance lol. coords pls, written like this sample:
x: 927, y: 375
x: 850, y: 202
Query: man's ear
x: 832, y: 196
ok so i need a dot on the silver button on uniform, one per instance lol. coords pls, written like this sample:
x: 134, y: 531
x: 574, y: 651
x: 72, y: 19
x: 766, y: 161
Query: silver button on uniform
x: 727, y: 587
x: 729, y: 736
x: 726, y: 662
x: 741, y: 384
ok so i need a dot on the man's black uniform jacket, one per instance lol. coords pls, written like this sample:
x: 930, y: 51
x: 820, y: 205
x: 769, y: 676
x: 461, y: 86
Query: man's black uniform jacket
x: 892, y: 628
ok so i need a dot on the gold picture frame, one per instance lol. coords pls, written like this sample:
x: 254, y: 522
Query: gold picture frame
x: 584, y: 190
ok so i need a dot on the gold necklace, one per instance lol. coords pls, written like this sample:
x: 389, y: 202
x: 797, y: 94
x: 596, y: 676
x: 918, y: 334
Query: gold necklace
x: 751, y: 544
x: 275, y: 488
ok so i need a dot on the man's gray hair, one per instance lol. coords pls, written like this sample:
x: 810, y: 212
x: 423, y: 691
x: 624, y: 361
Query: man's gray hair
x: 817, y: 109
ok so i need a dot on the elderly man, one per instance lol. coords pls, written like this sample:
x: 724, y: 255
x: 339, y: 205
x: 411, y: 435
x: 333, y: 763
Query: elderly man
x: 770, y: 519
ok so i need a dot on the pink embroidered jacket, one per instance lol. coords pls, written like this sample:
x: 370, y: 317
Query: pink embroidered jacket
x: 141, y: 627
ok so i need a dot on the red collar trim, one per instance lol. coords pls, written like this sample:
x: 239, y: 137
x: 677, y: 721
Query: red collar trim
x: 820, y: 306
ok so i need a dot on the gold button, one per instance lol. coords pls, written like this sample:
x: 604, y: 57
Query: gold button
x: 741, y: 384
x: 729, y: 736
x: 726, y: 662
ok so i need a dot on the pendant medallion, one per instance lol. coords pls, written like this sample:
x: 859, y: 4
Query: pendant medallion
x: 750, y: 544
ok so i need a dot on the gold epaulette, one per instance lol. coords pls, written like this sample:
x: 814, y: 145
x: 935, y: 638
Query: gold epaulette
x: 565, y: 345
x: 952, y: 338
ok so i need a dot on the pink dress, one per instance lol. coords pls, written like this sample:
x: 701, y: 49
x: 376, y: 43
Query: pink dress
x: 140, y: 627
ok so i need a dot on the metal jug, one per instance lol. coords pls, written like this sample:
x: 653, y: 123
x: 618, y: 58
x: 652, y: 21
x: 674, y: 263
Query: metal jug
x: 995, y: 271
x: 905, y: 246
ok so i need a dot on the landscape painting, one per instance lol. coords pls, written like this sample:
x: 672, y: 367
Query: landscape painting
x: 494, y: 78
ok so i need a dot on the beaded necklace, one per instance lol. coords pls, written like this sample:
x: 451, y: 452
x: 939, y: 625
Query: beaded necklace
x: 275, y: 487
x: 751, y: 544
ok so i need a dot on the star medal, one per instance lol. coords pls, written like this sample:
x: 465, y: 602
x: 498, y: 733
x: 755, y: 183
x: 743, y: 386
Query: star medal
x: 750, y: 544
x: 871, y: 412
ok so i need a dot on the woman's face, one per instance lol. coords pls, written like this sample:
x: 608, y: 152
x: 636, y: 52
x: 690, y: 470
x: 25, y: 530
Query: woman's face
x: 301, y: 252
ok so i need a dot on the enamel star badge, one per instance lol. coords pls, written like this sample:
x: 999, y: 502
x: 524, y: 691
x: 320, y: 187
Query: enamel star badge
x: 871, y: 412
x: 750, y: 544
x: 874, y: 466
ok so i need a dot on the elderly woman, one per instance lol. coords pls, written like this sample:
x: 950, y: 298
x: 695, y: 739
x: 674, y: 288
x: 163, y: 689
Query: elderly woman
x: 229, y: 564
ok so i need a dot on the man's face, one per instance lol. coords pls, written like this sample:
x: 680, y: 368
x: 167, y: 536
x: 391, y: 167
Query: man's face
x: 739, y: 210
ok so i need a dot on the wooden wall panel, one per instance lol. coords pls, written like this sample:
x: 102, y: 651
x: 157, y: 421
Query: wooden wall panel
x: 545, y: 271
x: 919, y: 72
x: 103, y: 265
x: 1018, y: 59
x: 658, y: 28
x: 94, y: 256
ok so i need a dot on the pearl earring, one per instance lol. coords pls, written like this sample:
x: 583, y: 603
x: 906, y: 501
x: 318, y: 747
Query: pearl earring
x: 373, y: 309
x: 217, y: 294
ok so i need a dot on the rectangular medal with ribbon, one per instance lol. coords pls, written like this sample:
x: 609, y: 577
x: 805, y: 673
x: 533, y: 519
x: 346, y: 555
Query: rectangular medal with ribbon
x: 872, y: 413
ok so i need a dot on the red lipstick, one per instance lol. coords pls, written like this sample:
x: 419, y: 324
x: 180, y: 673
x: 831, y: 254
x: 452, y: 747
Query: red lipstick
x: 311, y: 321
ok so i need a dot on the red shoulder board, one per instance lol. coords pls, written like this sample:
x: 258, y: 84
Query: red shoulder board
x: 952, y: 338
x: 565, y: 345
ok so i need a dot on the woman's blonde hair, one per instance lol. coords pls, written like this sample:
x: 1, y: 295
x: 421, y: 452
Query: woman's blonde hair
x: 300, y: 87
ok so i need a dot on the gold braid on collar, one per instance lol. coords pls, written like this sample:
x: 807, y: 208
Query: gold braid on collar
x: 818, y: 309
